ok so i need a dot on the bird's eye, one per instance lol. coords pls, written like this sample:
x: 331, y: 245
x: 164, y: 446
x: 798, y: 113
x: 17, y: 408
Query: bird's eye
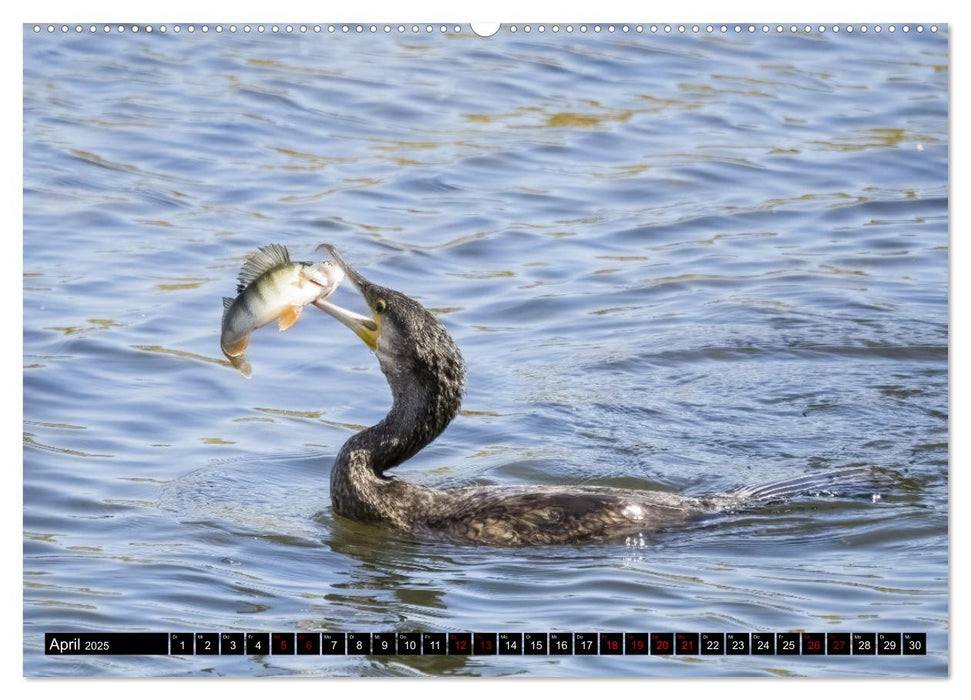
x: 380, y: 305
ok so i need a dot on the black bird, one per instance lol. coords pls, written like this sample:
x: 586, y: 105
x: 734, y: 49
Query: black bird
x: 426, y: 373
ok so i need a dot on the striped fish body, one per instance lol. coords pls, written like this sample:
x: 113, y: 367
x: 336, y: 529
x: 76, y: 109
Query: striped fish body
x: 273, y: 288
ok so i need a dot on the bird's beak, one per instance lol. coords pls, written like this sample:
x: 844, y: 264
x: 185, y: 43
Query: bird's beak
x: 365, y: 328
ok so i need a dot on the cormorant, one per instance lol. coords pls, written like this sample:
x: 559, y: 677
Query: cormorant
x: 426, y: 373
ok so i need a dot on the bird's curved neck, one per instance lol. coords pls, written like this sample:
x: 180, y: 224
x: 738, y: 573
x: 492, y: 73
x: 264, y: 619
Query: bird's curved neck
x: 422, y: 409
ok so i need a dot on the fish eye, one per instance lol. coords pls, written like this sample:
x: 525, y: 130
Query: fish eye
x: 380, y: 305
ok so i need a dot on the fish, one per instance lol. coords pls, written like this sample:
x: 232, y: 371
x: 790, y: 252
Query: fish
x: 270, y: 288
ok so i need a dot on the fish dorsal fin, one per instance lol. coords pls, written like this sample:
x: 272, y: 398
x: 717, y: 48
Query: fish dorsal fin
x: 227, y: 302
x: 266, y: 258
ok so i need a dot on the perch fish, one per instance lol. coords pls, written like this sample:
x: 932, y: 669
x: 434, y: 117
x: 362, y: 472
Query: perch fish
x: 273, y: 288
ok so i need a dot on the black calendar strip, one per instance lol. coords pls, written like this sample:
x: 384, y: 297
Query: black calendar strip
x: 486, y: 643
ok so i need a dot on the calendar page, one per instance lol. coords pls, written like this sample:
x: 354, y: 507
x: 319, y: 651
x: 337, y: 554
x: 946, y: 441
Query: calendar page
x: 448, y: 349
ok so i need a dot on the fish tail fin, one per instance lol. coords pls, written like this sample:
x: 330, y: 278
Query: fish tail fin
x: 241, y: 363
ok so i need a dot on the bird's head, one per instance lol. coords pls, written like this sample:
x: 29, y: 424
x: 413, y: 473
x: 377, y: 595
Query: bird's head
x: 410, y: 343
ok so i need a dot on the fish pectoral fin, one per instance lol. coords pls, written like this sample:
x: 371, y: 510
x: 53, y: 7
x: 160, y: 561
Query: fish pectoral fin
x: 235, y: 349
x: 289, y: 317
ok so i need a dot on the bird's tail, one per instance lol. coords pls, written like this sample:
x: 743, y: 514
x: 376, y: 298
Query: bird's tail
x: 847, y: 482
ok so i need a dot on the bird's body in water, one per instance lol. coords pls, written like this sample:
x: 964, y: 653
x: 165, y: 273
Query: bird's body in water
x: 426, y: 373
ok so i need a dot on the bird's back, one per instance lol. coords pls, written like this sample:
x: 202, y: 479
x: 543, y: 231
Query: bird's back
x: 550, y: 515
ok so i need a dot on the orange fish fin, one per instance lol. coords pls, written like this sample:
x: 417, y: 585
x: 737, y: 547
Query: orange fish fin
x: 236, y: 349
x: 289, y: 317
